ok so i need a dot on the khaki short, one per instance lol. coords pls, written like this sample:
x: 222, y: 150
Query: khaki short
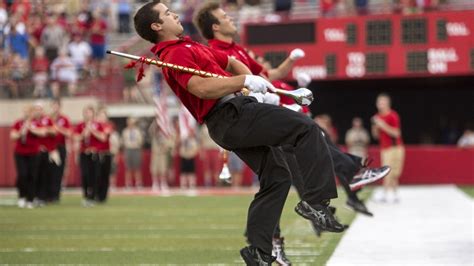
x: 395, y: 158
x: 158, y: 164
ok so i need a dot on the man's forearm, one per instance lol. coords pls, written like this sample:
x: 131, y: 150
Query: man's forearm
x: 282, y: 70
x: 235, y: 67
x: 215, y: 88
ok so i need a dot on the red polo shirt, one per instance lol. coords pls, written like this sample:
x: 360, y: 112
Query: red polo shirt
x: 186, y: 52
x: 238, y: 52
x: 91, y: 143
x: 28, y: 145
x: 62, y: 122
x: 47, y: 142
x: 105, y: 145
x: 392, y: 119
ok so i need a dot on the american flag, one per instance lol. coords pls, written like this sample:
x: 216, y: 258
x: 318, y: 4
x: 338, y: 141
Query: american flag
x: 161, y: 109
x: 187, y: 123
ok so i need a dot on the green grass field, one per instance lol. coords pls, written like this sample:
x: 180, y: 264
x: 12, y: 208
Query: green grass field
x: 469, y: 190
x: 152, y: 230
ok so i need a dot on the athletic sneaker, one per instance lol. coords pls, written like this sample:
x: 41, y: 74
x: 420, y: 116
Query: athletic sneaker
x: 21, y: 203
x: 358, y: 206
x: 321, y: 216
x: 368, y: 175
x: 318, y: 230
x: 254, y: 257
x: 278, y: 252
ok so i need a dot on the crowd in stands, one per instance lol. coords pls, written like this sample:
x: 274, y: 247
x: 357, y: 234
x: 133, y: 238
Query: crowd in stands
x: 47, y: 46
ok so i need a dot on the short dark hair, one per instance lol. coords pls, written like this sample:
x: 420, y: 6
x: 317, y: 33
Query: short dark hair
x: 204, y: 19
x: 143, y: 19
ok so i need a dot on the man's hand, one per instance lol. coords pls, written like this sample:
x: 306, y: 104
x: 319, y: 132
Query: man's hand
x: 257, y: 84
x: 303, y: 79
x: 296, y: 54
x: 271, y: 98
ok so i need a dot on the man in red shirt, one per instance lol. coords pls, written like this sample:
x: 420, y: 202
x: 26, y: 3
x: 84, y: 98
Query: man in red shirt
x: 216, y: 26
x: 63, y: 129
x: 386, y: 128
x: 26, y: 132
x: 250, y: 129
x: 89, y: 133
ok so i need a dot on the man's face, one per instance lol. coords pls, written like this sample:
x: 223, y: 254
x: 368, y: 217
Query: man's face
x: 170, y: 21
x: 226, y: 24
x: 383, y: 103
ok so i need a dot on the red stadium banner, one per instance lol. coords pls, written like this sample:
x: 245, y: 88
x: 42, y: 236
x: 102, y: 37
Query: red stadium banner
x: 373, y: 46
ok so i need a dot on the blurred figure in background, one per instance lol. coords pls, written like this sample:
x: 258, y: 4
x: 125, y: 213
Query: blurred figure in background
x: 53, y: 38
x: 467, y: 139
x: 98, y: 32
x: 386, y: 127
x: 124, y: 10
x: 325, y: 122
x: 132, y: 140
x: 105, y: 157
x: 209, y: 156
x: 357, y: 138
x: 88, y: 133
x: 40, y: 67
x: 80, y: 52
x: 161, y: 156
x: 49, y: 156
x: 63, y: 129
x: 188, y: 150
x: 26, y: 132
x: 236, y: 167
x: 114, y: 142
x: 63, y: 71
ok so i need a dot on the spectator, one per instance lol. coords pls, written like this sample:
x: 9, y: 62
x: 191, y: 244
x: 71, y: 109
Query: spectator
x: 124, y: 10
x: 39, y: 67
x: 161, y: 156
x: 208, y: 156
x: 80, y: 52
x: 53, y: 38
x: 63, y: 71
x: 357, y: 138
x: 98, y: 30
x: 19, y: 70
x: 188, y: 150
x: 467, y: 139
x: 115, y: 144
x: 236, y: 167
x: 6, y: 73
x: 35, y: 29
x: 3, y: 21
x: 17, y: 42
x: 386, y: 127
x: 325, y: 122
x: 132, y: 140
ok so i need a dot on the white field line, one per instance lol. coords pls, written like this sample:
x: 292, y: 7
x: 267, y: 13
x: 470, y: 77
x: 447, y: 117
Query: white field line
x: 431, y: 225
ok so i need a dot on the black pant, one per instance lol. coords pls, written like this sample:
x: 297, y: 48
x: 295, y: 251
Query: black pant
x: 105, y: 163
x: 27, y: 173
x: 44, y: 182
x: 58, y: 173
x: 90, y: 170
x: 255, y: 132
x: 124, y: 22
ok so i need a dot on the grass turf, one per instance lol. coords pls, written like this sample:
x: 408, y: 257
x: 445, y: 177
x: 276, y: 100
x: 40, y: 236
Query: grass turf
x: 152, y: 230
x: 469, y: 190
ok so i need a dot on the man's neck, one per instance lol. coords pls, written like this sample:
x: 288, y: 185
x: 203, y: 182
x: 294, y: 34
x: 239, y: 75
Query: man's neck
x: 385, y: 112
x: 169, y: 38
x: 223, y: 38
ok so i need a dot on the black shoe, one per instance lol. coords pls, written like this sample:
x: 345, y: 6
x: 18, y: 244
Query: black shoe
x: 318, y: 230
x: 279, y: 252
x: 358, y: 206
x: 368, y: 175
x: 320, y: 215
x: 254, y: 257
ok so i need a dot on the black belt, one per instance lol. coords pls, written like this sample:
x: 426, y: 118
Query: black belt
x: 221, y: 101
